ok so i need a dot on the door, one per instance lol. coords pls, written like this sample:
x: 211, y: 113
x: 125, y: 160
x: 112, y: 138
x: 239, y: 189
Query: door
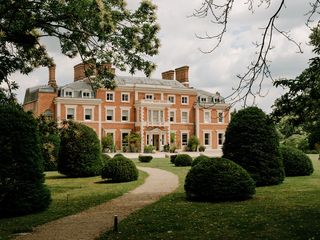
x: 155, y: 141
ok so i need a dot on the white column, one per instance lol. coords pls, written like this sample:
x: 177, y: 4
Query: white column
x: 58, y: 113
x: 197, y: 122
x: 141, y: 128
x: 99, y: 122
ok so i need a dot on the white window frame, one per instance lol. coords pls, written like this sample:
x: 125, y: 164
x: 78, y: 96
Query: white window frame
x: 218, y: 117
x: 125, y: 93
x: 113, y: 96
x: 223, y: 138
x: 128, y: 131
x: 174, y: 99
x: 184, y: 111
x: 174, y: 116
x: 182, y: 133
x: 186, y: 97
x: 204, y: 116
x: 84, y: 113
x: 68, y: 90
x: 204, y: 138
x: 149, y: 94
x: 203, y: 99
x: 113, y: 114
x: 75, y: 111
x: 113, y: 131
x: 85, y: 91
x: 125, y: 109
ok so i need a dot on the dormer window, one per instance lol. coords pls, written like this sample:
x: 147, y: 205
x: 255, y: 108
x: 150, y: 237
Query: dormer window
x: 149, y: 96
x: 68, y: 93
x: 86, y: 94
x: 203, y: 99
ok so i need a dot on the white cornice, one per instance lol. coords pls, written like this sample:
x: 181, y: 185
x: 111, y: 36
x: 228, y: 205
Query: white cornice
x: 85, y: 101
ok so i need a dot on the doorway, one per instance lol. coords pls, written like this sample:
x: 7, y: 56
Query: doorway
x: 155, y: 141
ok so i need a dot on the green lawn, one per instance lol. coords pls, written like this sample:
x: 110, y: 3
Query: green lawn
x: 69, y: 196
x: 288, y: 211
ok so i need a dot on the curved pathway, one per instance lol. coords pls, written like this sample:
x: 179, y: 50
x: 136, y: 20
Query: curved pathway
x: 91, y: 223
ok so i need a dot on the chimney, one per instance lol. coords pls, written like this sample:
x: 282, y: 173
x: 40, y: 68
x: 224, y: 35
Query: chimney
x: 79, y: 70
x: 52, y: 76
x: 182, y: 75
x: 168, y: 75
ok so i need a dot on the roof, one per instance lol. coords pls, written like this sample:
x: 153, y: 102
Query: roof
x: 130, y: 80
x: 78, y: 85
x: 32, y: 93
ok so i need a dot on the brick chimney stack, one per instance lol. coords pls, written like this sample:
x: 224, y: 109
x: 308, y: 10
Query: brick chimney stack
x: 52, y: 76
x: 79, y: 70
x: 182, y: 75
x: 168, y: 75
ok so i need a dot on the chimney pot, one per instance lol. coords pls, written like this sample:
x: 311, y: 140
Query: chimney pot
x: 52, y: 76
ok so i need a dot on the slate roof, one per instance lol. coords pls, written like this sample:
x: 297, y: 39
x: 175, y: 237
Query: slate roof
x: 32, y: 93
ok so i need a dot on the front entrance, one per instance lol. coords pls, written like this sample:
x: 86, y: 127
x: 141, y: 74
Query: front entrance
x: 155, y: 141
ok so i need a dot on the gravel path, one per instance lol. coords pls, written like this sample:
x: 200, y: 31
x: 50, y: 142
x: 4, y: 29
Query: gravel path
x: 91, y: 223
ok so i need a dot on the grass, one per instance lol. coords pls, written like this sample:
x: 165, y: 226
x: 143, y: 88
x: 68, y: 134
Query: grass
x: 288, y: 211
x: 69, y: 196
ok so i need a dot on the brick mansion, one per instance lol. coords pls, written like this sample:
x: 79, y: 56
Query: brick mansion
x: 154, y: 108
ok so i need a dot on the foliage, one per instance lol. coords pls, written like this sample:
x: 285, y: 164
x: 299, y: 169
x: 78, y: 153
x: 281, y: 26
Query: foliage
x: 296, y: 163
x: 21, y: 165
x: 166, y: 148
x: 107, y: 31
x: 148, y: 149
x: 202, y: 148
x: 107, y: 143
x: 192, y: 144
x: 251, y: 141
x: 218, y: 180
x: 50, y: 142
x: 173, y: 148
x: 199, y: 159
x: 134, y: 141
x: 297, y: 141
x: 172, y: 137
x: 80, y: 151
x: 104, y: 158
x: 145, y: 158
x: 173, y: 158
x: 182, y: 160
x: 120, y: 169
x: 118, y: 154
x: 314, y: 137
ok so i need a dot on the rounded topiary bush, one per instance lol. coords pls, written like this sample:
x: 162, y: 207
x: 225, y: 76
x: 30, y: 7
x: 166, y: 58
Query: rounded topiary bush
x: 173, y: 158
x: 252, y: 142
x: 296, y: 163
x: 80, y: 151
x: 21, y: 165
x: 145, y: 158
x: 183, y: 160
x: 120, y: 169
x: 104, y: 158
x: 118, y: 154
x: 218, y: 180
x: 199, y: 159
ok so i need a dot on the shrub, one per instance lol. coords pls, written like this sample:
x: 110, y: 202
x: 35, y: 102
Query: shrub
x: 202, y: 148
x: 107, y: 143
x: 120, y: 169
x: 104, y: 158
x: 145, y: 158
x: 148, y: 149
x: 297, y: 141
x: 173, y: 158
x: 183, y: 160
x: 166, y: 148
x: 134, y: 141
x: 252, y: 142
x: 218, y: 180
x: 173, y: 148
x: 118, y: 154
x: 199, y: 159
x: 21, y: 165
x: 192, y: 144
x: 295, y: 162
x: 80, y: 153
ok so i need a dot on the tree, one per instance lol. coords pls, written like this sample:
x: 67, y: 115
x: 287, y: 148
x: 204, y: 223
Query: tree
x: 106, y: 31
x: 219, y: 12
x: 21, y: 168
x: 252, y: 142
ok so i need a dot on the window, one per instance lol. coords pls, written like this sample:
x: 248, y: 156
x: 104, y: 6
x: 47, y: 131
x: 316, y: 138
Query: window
x: 110, y: 97
x: 203, y: 99
x: 171, y: 99
x: 110, y: 115
x: 124, y: 139
x: 155, y: 116
x: 125, y: 115
x: 184, y: 100
x: 206, y: 139
x: 184, y: 139
x: 220, y: 138
x: 149, y: 96
x: 172, y: 117
x: 68, y: 93
x: 86, y: 94
x: 184, y: 117
x: 220, y: 117
x: 125, y: 97
x: 88, y: 114
x: 207, y: 117
x: 70, y: 113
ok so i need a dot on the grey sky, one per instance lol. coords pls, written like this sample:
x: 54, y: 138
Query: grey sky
x: 216, y: 71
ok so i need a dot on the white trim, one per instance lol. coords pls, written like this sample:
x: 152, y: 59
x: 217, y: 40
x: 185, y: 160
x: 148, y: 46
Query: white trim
x: 218, y: 118
x: 74, y: 107
x: 113, y: 114
x: 188, y: 135
x: 150, y: 94
x: 121, y: 132
x: 174, y: 117
x: 184, y: 96
x: 125, y: 109
x: 204, y: 116
x: 223, y: 138
x: 184, y: 111
x: 125, y: 93
x: 113, y: 97
x: 65, y: 90
x: 84, y: 113
x: 204, y: 139
x: 174, y: 98
x: 86, y: 91
x: 113, y: 131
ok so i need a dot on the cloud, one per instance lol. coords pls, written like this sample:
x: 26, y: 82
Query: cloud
x: 216, y: 71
